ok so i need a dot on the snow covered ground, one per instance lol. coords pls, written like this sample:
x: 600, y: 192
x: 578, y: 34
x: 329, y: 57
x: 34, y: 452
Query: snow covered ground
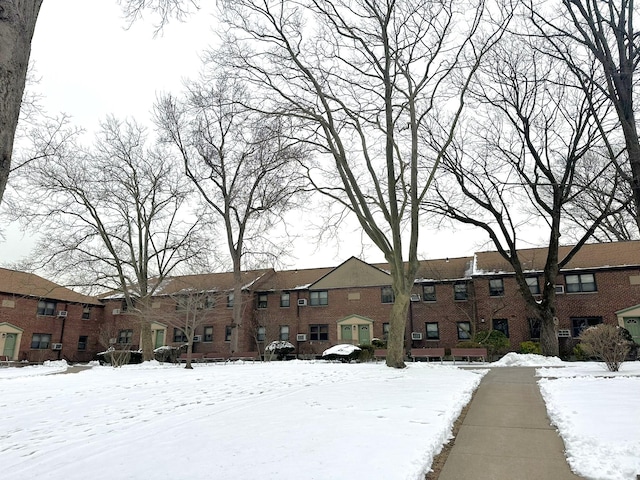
x: 287, y: 420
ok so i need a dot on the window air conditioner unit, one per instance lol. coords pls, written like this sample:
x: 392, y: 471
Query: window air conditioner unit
x: 302, y: 302
x: 56, y: 346
x: 112, y: 341
x: 197, y: 338
x: 415, y: 297
x: 62, y: 313
x: 116, y: 311
x: 564, y: 333
x: 301, y: 337
x: 559, y: 289
x: 416, y: 335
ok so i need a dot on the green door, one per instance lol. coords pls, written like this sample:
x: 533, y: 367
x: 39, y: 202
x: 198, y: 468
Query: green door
x: 346, y: 333
x: 9, y: 345
x: 633, y: 325
x: 159, y: 338
x: 363, y: 335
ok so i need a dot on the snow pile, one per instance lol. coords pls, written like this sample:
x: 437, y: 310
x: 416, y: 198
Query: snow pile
x: 598, y: 421
x: 513, y: 359
x: 47, y: 368
x: 586, y: 369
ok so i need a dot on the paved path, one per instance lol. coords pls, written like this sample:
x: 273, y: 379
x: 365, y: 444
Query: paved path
x: 506, y: 433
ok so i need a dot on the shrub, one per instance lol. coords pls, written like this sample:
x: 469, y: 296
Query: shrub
x: 377, y: 343
x: 606, y: 342
x: 468, y: 344
x: 493, y: 340
x: 530, y: 347
x: 579, y: 353
x: 366, y: 353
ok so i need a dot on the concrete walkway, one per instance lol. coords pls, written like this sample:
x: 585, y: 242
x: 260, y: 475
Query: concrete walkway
x: 506, y: 434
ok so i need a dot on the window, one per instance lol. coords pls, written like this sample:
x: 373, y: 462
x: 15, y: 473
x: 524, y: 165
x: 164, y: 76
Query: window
x: 227, y: 333
x: 86, y: 312
x: 429, y: 293
x: 534, y: 287
x: 82, y: 342
x: 432, y: 331
x: 319, y: 332
x: 284, y: 333
x: 262, y: 300
x: 41, y: 341
x: 261, y: 334
x: 385, y: 331
x: 46, y: 307
x: 208, y: 334
x: 534, y: 327
x: 178, y: 335
x: 501, y: 325
x: 585, y: 282
x: 319, y: 297
x: 124, y: 337
x: 285, y: 299
x: 578, y: 324
x: 230, y: 299
x: 386, y: 294
x: 464, y: 330
x: 496, y: 287
x: 460, y: 291
x: 209, y: 301
x: 183, y: 304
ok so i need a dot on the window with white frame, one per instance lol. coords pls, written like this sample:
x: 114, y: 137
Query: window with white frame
x: 285, y: 299
x: 178, y: 335
x: 284, y: 333
x: 261, y: 334
x: 40, y: 341
x: 460, y: 291
x: 496, y: 287
x: 534, y: 286
x: 207, y: 334
x: 319, y: 298
x: 262, y: 300
x: 86, y: 312
x: 385, y: 331
x: 464, y: 330
x: 82, y: 342
x: 585, y: 282
x: 386, y: 295
x: 429, y: 292
x: 46, y: 307
x: 230, y: 299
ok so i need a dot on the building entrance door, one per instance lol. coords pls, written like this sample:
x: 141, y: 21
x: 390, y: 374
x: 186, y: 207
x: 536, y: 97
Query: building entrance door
x: 9, y: 345
x: 633, y: 325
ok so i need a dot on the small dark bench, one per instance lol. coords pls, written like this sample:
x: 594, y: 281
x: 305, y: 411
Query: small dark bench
x: 469, y: 353
x: 427, y: 353
x: 195, y: 357
x: 380, y: 353
x: 215, y: 357
x: 250, y: 356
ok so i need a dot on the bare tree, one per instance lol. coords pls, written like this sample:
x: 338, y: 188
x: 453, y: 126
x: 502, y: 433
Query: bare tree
x: 367, y: 82
x: 532, y: 128
x: 194, y: 309
x: 243, y: 165
x: 17, y: 24
x: 589, y: 32
x: 116, y: 216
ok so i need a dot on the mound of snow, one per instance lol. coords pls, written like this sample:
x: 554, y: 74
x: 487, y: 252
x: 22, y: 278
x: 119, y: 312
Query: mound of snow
x: 342, y: 349
x: 513, y: 359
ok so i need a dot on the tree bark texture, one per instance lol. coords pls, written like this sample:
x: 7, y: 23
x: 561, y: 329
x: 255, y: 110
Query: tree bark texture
x: 17, y: 24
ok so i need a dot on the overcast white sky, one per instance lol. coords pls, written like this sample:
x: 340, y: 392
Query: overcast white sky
x: 90, y: 66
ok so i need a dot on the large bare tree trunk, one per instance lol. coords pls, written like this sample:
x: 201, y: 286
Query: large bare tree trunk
x: 17, y: 24
x: 397, y: 325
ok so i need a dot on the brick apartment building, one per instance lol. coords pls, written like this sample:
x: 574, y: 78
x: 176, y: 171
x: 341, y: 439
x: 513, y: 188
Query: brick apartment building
x: 316, y: 308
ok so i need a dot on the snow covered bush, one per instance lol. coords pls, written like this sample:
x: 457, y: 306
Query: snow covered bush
x: 606, y: 342
x: 279, y: 348
x: 343, y: 352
